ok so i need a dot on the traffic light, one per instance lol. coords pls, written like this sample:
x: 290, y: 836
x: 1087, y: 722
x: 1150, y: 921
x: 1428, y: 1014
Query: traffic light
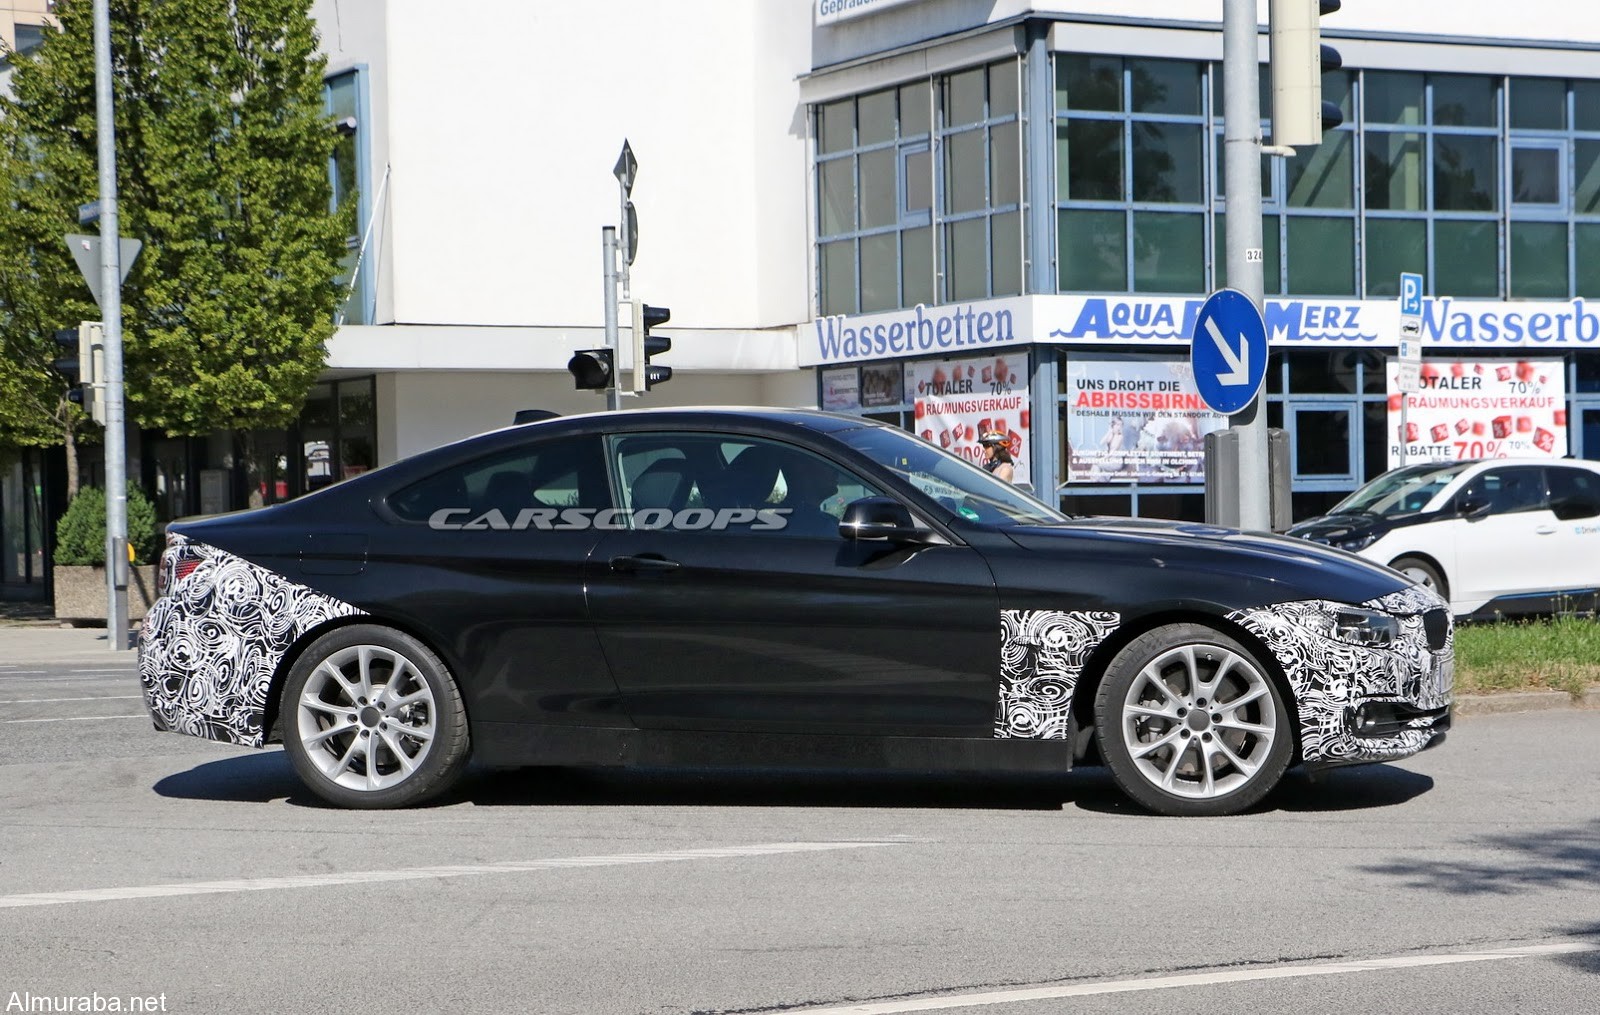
x: 1299, y: 59
x: 82, y: 363
x: 591, y: 369
x: 646, y: 345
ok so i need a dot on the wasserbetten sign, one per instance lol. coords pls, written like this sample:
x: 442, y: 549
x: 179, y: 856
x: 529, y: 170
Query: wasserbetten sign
x: 1145, y: 321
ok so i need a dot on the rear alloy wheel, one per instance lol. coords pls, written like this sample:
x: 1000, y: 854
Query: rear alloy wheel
x: 1423, y: 573
x: 1190, y: 723
x: 372, y: 718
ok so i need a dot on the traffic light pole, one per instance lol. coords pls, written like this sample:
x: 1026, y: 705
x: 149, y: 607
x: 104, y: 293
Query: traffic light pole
x: 111, y: 306
x: 608, y: 240
x: 1241, y: 137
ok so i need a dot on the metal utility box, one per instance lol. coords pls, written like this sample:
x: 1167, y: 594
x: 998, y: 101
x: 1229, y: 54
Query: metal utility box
x: 1222, y: 479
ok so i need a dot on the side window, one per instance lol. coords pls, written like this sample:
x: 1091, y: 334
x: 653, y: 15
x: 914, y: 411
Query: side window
x: 1574, y: 493
x: 734, y: 484
x: 560, y: 473
x: 1510, y: 490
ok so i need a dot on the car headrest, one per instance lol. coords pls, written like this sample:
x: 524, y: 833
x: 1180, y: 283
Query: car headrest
x: 663, y: 484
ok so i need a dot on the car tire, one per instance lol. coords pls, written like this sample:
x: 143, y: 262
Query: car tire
x: 1423, y: 573
x: 373, y: 719
x: 1190, y: 722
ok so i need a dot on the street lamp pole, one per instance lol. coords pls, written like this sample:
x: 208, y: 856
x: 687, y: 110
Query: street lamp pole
x: 111, y: 306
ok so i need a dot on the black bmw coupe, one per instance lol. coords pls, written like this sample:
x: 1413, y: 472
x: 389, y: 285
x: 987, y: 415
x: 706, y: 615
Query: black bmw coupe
x: 768, y: 587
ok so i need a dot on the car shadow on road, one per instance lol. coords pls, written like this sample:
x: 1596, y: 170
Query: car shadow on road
x: 267, y: 777
x: 788, y: 788
x: 259, y: 777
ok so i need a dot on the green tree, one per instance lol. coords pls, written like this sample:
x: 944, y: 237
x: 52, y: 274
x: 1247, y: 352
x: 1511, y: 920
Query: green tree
x: 223, y: 144
x: 81, y: 530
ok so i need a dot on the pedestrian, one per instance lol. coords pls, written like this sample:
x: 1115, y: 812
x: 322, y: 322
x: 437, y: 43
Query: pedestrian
x: 997, y: 457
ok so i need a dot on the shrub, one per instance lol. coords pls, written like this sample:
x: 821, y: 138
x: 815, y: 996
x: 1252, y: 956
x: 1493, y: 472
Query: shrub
x: 81, y: 532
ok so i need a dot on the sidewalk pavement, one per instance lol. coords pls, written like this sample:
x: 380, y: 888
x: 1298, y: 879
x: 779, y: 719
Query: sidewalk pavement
x: 58, y: 645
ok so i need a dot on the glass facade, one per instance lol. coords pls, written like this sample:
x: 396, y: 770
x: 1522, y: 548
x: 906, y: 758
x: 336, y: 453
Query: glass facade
x: 919, y: 192
x: 1488, y: 185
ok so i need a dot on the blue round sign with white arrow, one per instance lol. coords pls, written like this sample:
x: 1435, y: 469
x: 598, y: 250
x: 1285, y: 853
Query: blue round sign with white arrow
x: 1229, y: 351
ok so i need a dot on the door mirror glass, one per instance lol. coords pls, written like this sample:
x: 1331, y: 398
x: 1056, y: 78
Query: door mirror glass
x: 881, y: 518
x: 1472, y: 505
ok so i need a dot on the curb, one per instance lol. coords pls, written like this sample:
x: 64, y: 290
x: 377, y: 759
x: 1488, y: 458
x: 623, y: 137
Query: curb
x: 1524, y: 701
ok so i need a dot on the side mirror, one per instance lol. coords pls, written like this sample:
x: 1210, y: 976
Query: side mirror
x: 1472, y: 506
x: 881, y: 518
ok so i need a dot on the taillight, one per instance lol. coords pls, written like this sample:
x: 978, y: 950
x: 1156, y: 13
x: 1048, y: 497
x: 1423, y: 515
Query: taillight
x: 177, y: 563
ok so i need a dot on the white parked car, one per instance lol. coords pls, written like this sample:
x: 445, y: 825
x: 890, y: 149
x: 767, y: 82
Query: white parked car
x: 1494, y: 537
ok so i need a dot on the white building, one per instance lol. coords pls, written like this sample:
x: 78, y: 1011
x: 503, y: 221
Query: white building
x: 1050, y: 167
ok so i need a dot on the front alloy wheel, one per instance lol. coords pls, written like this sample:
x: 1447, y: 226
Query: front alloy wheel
x: 373, y: 719
x: 1191, y: 724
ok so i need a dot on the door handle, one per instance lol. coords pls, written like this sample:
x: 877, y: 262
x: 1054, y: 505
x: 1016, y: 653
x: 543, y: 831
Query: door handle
x: 1546, y: 530
x: 643, y: 563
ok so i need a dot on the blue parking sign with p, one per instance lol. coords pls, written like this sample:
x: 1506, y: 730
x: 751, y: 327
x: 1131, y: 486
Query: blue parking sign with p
x: 1410, y: 293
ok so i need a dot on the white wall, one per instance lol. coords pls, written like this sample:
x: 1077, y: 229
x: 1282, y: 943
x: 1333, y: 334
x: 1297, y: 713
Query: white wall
x: 505, y: 120
x: 421, y: 410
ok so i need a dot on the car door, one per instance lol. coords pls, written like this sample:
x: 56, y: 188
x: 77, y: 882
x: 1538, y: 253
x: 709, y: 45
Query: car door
x: 715, y: 618
x: 1512, y: 549
x: 486, y: 558
x: 1575, y: 502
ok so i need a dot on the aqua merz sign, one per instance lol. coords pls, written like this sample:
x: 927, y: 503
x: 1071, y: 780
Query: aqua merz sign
x: 1447, y: 323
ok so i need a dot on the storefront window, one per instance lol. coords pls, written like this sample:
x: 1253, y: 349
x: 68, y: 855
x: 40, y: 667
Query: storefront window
x: 1466, y: 173
x: 1539, y: 104
x: 1538, y: 260
x: 1321, y: 256
x: 1094, y: 253
x: 1464, y: 100
x: 1394, y: 172
x: 1473, y: 265
x: 1394, y: 245
x: 1393, y: 97
x: 1168, y: 252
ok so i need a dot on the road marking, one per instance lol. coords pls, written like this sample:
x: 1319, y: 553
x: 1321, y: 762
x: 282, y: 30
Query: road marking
x: 424, y: 873
x: 80, y: 718
x: 92, y: 697
x: 1191, y: 980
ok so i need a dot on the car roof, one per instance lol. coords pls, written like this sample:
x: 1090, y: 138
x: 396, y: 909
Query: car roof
x: 812, y: 419
x: 755, y: 419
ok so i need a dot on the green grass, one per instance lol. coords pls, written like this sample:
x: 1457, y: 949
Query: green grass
x: 1560, y: 654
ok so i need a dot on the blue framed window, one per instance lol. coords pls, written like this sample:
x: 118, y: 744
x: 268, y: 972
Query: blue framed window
x: 345, y: 97
x: 919, y: 192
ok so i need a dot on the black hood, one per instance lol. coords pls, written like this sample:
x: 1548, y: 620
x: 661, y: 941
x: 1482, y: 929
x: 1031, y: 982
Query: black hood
x: 1335, y: 528
x: 1291, y: 569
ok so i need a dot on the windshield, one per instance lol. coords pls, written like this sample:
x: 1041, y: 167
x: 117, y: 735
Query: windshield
x: 1402, y: 491
x: 959, y: 485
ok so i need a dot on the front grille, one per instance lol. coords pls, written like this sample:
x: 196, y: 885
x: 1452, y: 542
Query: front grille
x: 1436, y: 624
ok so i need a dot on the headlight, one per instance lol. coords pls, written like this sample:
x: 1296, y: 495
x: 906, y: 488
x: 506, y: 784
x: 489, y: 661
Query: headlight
x: 1364, y: 627
x: 1355, y: 543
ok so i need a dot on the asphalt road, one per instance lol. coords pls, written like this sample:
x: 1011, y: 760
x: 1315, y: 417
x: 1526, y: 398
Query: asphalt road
x: 141, y: 864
